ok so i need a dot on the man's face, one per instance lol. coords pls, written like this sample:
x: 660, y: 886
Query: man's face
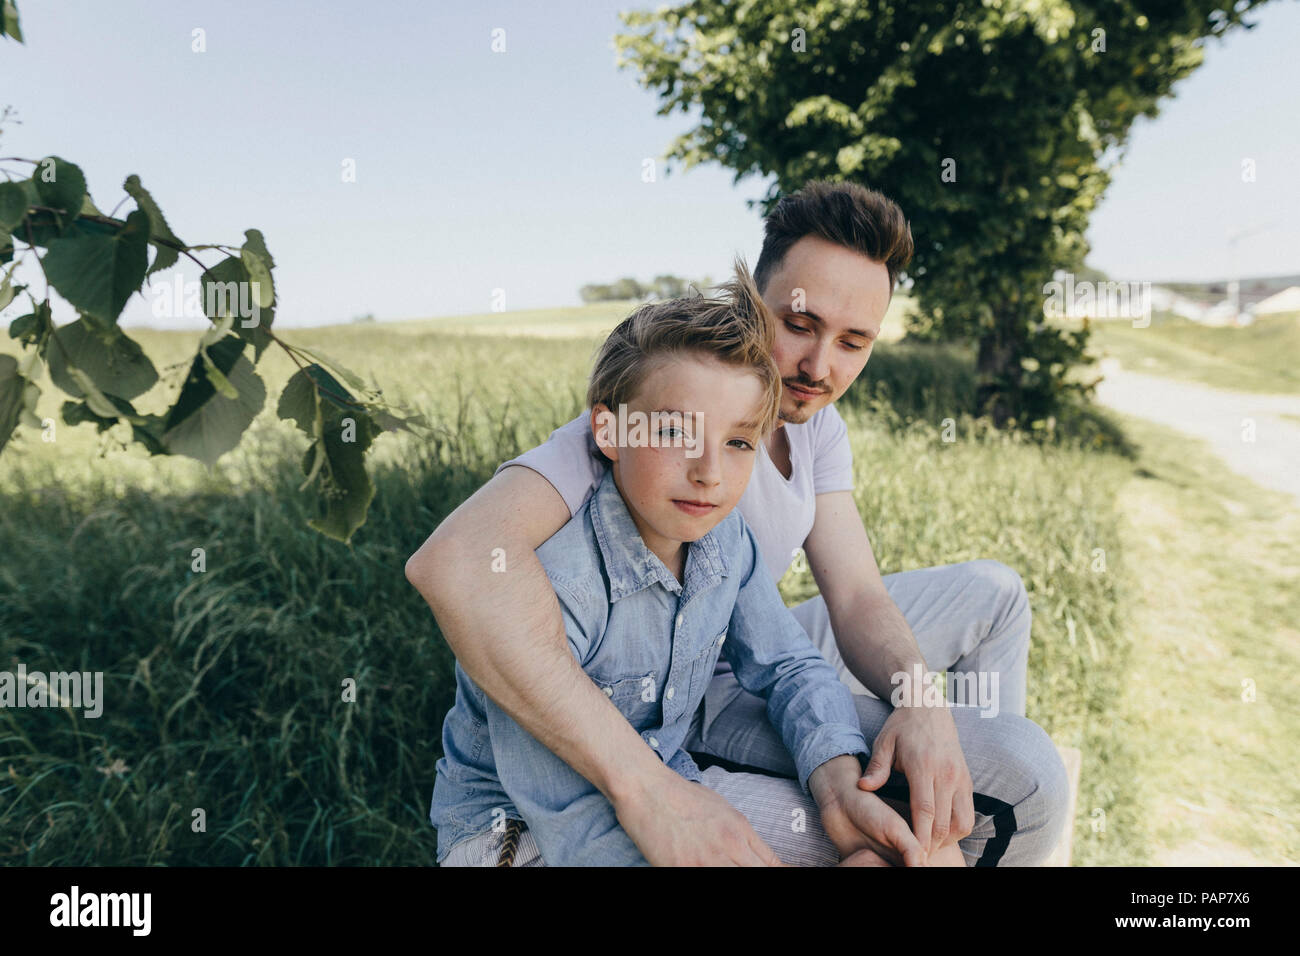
x: 680, y: 490
x: 823, y: 341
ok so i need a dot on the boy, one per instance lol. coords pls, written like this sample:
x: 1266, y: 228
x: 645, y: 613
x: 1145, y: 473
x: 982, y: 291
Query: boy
x: 657, y: 576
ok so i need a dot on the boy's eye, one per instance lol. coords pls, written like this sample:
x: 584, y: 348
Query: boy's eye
x: 671, y: 431
x: 795, y: 328
x: 742, y: 443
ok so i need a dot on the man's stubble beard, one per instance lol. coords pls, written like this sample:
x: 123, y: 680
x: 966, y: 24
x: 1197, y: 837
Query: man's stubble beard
x: 794, y: 418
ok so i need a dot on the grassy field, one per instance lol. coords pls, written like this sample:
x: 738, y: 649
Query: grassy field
x: 590, y: 321
x: 1215, y: 564
x: 223, y: 688
x: 1262, y: 357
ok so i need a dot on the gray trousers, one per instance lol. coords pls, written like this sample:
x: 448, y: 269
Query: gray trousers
x: 969, y: 618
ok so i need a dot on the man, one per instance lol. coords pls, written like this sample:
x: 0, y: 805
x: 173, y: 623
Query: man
x: 994, y: 786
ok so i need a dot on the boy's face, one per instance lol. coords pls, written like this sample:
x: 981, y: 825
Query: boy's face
x: 824, y: 335
x: 680, y: 490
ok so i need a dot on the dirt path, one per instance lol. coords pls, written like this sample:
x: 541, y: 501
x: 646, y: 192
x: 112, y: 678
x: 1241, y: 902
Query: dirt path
x: 1216, y: 562
x: 1249, y: 432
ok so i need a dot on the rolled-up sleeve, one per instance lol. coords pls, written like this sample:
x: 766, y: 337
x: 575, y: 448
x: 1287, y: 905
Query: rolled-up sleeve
x: 773, y: 658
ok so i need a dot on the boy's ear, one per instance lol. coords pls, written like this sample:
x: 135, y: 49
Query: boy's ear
x: 604, y: 429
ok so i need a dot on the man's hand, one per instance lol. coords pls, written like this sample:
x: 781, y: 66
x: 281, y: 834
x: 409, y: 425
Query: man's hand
x: 865, y: 829
x: 677, y: 822
x: 922, y: 743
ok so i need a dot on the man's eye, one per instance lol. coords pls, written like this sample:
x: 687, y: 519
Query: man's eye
x: 856, y: 348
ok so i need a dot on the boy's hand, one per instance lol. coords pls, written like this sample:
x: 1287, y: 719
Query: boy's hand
x: 683, y: 823
x: 865, y: 829
x: 922, y: 743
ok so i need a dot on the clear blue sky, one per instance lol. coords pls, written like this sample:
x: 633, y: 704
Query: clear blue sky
x: 522, y: 171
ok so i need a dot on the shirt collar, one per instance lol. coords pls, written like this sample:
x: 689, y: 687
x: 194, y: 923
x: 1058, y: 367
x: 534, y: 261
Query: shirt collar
x: 630, y: 565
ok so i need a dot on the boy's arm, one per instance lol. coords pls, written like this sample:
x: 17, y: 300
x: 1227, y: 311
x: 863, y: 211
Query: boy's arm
x: 773, y: 658
x: 876, y: 642
x: 505, y: 630
x: 815, y: 714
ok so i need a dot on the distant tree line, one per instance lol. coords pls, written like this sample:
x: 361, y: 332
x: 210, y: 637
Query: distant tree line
x: 621, y: 290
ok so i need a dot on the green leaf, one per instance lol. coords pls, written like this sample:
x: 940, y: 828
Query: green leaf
x: 166, y: 256
x: 42, y: 228
x: 225, y: 292
x: 60, y: 185
x: 9, y: 19
x: 344, y: 484
x: 259, y: 263
x: 115, y: 363
x: 13, y: 205
x: 11, y: 397
x: 6, y: 288
x: 97, y: 400
x: 352, y: 378
x: 145, y: 429
x: 260, y: 276
x: 31, y: 395
x: 254, y: 243
x: 219, y: 381
x: 391, y: 423
x: 88, y: 207
x: 298, y: 402
x: 97, y: 274
x: 333, y: 392
x: 32, y: 327
x: 316, y: 452
x: 205, y: 425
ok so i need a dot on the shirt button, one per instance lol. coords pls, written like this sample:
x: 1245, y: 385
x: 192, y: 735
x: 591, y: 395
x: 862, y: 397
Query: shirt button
x: 671, y: 691
x: 679, y: 620
x: 654, y: 742
x: 609, y: 692
x: 721, y: 639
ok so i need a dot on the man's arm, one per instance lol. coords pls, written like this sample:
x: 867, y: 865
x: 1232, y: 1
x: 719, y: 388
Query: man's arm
x: 873, y: 636
x: 507, y: 633
x: 876, y: 642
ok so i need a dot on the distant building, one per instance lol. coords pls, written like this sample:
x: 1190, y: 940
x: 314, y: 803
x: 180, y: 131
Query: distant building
x: 1288, y: 300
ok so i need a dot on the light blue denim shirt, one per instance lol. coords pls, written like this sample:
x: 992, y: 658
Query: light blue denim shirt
x: 651, y: 644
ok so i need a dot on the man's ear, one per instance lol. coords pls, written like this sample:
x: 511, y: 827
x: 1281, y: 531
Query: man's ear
x: 604, y: 429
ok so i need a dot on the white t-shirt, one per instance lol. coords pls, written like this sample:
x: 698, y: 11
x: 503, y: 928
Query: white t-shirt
x: 778, y: 510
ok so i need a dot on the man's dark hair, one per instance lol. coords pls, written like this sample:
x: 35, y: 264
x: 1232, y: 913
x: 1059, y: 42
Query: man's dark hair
x: 846, y: 214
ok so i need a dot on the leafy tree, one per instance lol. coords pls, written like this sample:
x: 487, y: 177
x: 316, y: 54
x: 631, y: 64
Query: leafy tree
x: 595, y: 293
x: 97, y: 262
x: 626, y: 288
x: 663, y: 287
x: 994, y: 124
x: 668, y: 287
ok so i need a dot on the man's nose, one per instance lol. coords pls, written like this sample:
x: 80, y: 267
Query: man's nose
x: 816, y: 366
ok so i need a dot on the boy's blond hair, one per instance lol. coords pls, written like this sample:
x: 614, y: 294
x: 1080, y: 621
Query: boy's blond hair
x: 735, y: 328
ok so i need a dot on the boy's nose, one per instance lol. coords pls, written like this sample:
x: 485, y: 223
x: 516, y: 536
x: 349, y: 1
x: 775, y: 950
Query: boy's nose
x: 704, y: 470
